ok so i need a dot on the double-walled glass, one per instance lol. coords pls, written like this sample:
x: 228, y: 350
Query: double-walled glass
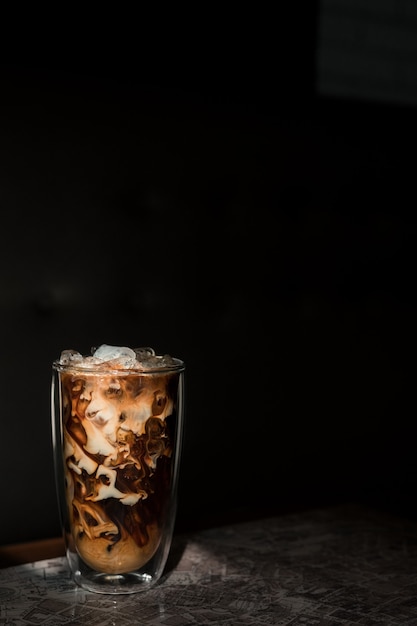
x: 117, y: 438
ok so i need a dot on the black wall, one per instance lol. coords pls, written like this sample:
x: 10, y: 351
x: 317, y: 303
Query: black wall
x: 233, y: 219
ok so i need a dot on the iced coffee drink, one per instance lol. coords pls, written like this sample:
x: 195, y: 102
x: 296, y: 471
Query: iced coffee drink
x: 118, y: 428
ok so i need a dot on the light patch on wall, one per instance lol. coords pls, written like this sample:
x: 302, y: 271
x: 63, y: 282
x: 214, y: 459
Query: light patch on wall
x: 367, y: 50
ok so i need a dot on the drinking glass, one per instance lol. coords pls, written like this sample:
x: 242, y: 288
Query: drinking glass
x: 117, y: 431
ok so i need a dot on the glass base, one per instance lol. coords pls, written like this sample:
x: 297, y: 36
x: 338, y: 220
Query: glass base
x: 114, y: 583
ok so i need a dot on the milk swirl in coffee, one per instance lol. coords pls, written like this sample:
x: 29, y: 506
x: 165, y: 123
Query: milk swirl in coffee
x: 119, y: 423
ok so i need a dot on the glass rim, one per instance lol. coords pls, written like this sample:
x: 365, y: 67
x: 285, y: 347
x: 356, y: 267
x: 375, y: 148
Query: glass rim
x: 105, y: 368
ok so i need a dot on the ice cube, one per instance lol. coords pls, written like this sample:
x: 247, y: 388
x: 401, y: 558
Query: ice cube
x: 110, y: 353
x: 70, y: 356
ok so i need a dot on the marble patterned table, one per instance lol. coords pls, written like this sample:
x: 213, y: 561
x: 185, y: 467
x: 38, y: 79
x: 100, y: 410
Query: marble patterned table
x: 339, y: 565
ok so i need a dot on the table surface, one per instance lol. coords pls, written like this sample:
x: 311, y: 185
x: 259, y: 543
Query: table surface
x: 337, y: 565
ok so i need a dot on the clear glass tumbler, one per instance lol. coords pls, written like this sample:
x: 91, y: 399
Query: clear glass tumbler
x: 117, y: 430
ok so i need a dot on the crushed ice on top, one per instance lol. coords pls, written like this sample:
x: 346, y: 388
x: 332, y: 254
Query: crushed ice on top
x: 118, y: 357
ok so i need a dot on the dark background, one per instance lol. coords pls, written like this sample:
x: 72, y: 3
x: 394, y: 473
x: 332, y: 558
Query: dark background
x: 204, y: 198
